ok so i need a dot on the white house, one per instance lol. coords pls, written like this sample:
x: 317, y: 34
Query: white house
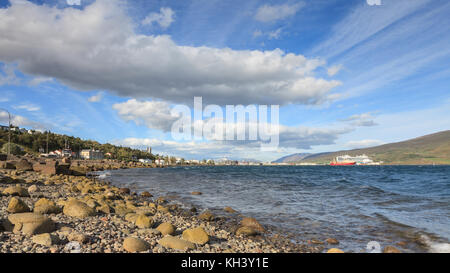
x: 159, y: 161
x: 145, y: 160
x: 91, y: 154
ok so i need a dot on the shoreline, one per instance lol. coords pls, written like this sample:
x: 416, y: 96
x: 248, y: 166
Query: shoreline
x: 408, y: 238
x: 99, y: 217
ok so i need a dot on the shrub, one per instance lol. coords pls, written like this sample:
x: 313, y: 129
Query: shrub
x: 15, y: 149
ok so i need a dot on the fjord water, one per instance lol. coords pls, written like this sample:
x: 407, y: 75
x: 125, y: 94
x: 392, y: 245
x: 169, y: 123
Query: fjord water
x: 355, y: 204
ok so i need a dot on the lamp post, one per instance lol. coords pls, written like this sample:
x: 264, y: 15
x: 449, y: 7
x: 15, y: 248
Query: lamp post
x: 9, y: 130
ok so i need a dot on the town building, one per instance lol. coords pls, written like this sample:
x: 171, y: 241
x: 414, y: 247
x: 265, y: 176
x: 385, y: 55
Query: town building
x: 159, y: 161
x: 145, y: 160
x: 91, y: 154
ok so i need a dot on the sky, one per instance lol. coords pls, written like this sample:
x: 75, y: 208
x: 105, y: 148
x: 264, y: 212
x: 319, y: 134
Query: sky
x: 345, y: 73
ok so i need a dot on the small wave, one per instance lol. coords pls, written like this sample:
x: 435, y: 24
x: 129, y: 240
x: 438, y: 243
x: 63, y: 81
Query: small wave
x: 435, y: 247
x: 104, y: 175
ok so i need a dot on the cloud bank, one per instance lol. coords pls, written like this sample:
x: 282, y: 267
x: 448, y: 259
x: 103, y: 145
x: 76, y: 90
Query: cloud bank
x: 152, y: 114
x: 96, y: 48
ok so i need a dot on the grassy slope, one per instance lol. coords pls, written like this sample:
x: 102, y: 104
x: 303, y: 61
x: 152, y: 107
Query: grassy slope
x: 429, y: 149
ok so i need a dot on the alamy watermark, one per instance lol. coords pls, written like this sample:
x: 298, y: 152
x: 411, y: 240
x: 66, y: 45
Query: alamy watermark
x: 249, y: 123
x: 373, y: 247
x: 73, y: 247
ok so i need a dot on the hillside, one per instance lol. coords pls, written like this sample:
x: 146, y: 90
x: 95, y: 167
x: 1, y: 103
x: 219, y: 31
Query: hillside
x: 428, y: 149
x: 292, y: 158
x: 32, y: 143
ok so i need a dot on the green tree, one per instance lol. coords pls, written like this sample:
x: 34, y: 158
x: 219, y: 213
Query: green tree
x: 14, y: 149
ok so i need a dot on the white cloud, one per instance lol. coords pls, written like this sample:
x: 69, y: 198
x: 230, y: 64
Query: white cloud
x: 365, y: 119
x: 306, y: 137
x: 164, y: 18
x: 268, y: 13
x: 257, y: 33
x: 363, y: 143
x: 38, y: 80
x: 291, y: 139
x: 29, y: 107
x: 274, y: 34
x: 21, y: 121
x: 8, y: 75
x: 106, y: 54
x: 73, y: 2
x: 333, y: 70
x: 373, y: 2
x: 153, y: 114
x: 96, y: 98
x: 362, y: 23
x: 395, y: 25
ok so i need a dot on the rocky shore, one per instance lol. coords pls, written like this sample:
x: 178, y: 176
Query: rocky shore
x: 54, y: 213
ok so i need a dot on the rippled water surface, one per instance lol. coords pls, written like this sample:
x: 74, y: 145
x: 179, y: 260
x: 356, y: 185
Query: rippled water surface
x: 355, y: 204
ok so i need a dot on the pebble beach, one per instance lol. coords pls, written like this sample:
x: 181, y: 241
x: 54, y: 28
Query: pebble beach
x: 60, y: 213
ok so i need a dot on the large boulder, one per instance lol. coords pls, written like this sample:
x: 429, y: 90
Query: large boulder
x: 332, y: 241
x: 16, y: 191
x: 196, y: 236
x: 143, y: 221
x: 246, y: 231
x: 206, y: 216
x: 122, y: 210
x: 176, y: 243
x: 335, y: 250
x: 229, y: 210
x: 146, y: 194
x: 16, y: 205
x: 78, y: 170
x: 63, y: 168
x: 45, y: 206
x: 104, y: 208
x: 252, y: 223
x: 125, y: 190
x: 131, y: 217
x: 24, y: 165
x: 38, y: 166
x: 75, y: 208
x: 131, y: 244
x: 7, y: 165
x: 49, y: 168
x: 77, y: 237
x: 162, y: 209
x: 29, y: 223
x: 391, y: 249
x: 166, y: 228
x: 45, y: 239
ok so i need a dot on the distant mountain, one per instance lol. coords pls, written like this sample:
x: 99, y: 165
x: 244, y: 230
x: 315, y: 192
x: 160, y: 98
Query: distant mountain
x: 292, y: 158
x: 428, y: 149
x: 240, y: 159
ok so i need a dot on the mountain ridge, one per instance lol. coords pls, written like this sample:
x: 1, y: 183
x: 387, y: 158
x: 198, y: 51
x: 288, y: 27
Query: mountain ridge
x: 428, y: 149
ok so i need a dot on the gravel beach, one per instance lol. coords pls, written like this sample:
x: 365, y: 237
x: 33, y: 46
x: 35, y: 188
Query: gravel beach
x: 43, y: 213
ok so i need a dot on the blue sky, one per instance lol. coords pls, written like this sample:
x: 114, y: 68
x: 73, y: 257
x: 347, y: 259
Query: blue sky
x: 346, y: 74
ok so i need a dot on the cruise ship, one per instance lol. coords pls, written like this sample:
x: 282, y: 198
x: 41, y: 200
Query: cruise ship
x: 347, y: 160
